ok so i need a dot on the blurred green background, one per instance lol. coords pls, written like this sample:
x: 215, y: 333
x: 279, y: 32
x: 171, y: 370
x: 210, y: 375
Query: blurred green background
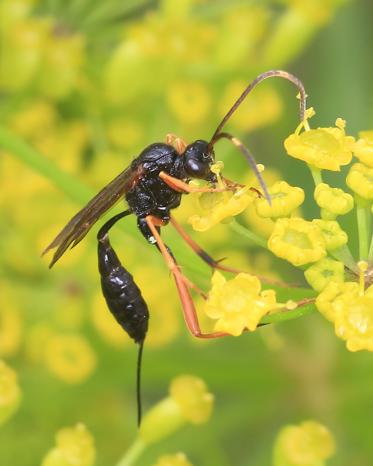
x: 88, y: 85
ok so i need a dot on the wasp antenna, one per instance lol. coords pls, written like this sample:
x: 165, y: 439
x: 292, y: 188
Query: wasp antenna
x: 268, y: 74
x: 138, y: 382
x: 251, y: 160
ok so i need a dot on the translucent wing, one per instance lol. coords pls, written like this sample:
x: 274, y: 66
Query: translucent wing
x: 83, y: 221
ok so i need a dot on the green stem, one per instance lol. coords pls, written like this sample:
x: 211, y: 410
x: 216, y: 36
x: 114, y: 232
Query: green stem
x: 316, y: 174
x: 363, y: 225
x: 370, y: 257
x: 243, y: 231
x: 304, y: 308
x: 344, y: 255
x: 45, y: 167
x: 134, y: 452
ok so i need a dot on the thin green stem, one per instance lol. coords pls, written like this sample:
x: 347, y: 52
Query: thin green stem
x: 344, y: 255
x: 131, y: 455
x: 370, y: 257
x: 363, y: 225
x: 316, y: 174
x: 305, y: 307
x: 243, y: 231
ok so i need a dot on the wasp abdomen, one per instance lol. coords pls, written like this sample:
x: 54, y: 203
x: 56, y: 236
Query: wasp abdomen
x: 122, y: 295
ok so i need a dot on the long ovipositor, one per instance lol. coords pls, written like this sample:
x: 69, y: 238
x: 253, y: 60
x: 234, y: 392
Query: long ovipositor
x: 123, y: 297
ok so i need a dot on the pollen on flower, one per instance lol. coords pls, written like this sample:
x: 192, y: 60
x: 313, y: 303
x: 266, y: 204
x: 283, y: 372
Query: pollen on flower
x: 297, y: 240
x: 74, y: 447
x: 284, y: 200
x: 323, y: 148
x: 360, y: 180
x: 333, y: 201
x: 216, y: 207
x: 238, y: 304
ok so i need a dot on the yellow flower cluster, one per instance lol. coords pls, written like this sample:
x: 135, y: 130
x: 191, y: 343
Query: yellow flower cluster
x: 351, y: 311
x: 238, y: 304
x: 189, y: 401
x: 307, y: 444
x: 74, y: 447
x: 10, y: 393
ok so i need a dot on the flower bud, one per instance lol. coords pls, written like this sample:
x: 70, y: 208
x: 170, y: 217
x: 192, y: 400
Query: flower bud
x: 74, y: 447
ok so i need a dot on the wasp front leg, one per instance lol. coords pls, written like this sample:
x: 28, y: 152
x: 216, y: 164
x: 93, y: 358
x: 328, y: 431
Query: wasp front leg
x: 182, y: 187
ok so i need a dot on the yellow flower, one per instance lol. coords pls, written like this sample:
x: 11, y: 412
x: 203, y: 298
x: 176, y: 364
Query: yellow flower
x: 285, y: 199
x: 351, y: 311
x: 238, y: 304
x: 69, y: 357
x: 363, y: 149
x: 216, y: 207
x: 306, y: 444
x: 74, y: 447
x: 333, y: 235
x: 10, y: 393
x: 333, y: 201
x: 189, y: 401
x: 360, y: 180
x: 179, y: 459
x: 323, y: 272
x: 323, y: 148
x: 297, y: 241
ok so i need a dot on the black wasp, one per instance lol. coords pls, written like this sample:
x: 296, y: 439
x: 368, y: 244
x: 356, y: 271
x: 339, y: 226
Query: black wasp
x: 152, y: 186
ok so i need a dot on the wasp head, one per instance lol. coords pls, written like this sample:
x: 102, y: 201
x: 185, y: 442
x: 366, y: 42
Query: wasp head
x: 198, y: 158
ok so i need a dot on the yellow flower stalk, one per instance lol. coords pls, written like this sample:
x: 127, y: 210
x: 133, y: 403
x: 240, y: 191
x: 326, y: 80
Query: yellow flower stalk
x: 333, y: 234
x: 238, y: 304
x: 363, y: 148
x: 297, y: 241
x: 74, y: 447
x: 10, y: 393
x: 326, y: 270
x: 284, y: 200
x: 307, y: 444
x: 322, y: 148
x: 332, y: 201
x: 360, y: 180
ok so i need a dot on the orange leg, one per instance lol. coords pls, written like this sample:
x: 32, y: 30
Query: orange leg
x: 190, y: 314
x: 201, y: 253
x: 178, y: 143
x: 182, y: 187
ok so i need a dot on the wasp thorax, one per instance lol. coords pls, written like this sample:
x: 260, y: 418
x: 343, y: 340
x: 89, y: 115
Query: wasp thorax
x: 198, y: 158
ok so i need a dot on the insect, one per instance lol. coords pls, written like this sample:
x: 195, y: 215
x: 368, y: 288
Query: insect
x: 153, y: 185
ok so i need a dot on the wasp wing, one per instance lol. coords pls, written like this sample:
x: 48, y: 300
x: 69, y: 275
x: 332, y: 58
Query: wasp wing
x: 83, y: 221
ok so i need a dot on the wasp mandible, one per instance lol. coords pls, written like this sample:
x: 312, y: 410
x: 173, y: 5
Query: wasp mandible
x: 153, y: 185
